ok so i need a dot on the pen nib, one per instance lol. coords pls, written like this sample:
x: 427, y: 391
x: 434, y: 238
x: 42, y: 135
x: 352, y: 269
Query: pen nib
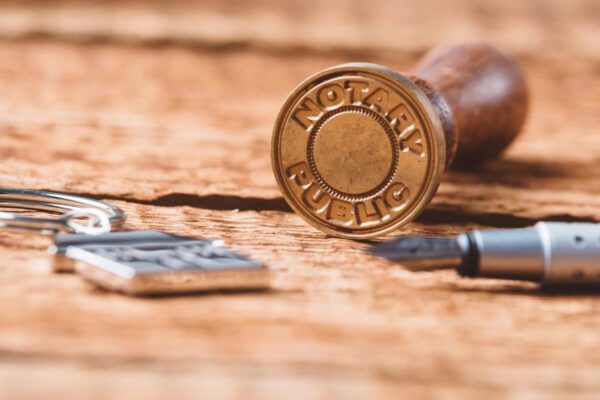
x: 421, y: 253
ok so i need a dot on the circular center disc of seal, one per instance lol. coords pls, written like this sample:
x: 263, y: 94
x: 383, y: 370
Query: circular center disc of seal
x: 352, y: 151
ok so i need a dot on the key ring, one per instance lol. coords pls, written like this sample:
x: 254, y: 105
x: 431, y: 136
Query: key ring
x: 101, y: 217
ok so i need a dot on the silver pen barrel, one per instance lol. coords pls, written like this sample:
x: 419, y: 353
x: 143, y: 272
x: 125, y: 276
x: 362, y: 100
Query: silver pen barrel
x: 552, y: 253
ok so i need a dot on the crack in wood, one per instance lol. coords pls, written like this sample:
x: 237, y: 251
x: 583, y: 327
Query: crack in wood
x: 231, y: 45
x: 431, y: 216
x: 216, y: 202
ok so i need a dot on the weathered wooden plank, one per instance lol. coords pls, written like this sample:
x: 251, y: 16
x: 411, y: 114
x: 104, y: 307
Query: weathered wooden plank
x: 335, y: 315
x: 180, y: 138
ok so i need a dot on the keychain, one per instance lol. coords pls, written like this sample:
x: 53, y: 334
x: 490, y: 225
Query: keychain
x: 136, y: 262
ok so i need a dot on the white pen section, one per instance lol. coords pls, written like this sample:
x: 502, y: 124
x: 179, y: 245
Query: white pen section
x: 571, y: 253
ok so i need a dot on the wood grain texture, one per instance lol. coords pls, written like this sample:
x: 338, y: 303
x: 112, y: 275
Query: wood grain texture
x: 179, y: 136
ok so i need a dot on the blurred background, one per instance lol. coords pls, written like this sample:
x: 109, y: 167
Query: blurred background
x: 537, y: 26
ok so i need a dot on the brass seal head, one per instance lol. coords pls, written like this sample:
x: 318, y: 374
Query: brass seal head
x: 358, y: 150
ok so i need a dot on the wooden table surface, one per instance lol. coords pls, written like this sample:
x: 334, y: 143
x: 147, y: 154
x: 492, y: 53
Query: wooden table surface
x: 166, y: 109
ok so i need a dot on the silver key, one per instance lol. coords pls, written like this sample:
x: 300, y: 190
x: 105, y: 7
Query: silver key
x: 148, y: 262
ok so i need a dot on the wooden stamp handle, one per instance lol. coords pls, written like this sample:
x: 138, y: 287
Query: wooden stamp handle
x: 481, y: 98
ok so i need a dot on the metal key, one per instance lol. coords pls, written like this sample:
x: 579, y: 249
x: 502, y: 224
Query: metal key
x: 150, y: 262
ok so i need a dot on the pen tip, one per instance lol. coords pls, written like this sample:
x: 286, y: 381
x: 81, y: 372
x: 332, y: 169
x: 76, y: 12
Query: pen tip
x: 421, y: 253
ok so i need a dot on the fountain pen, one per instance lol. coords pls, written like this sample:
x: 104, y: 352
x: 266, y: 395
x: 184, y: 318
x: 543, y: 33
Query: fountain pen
x: 550, y: 253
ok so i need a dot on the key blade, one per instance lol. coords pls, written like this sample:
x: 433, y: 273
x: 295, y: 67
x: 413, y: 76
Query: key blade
x: 421, y: 253
x: 184, y: 265
x: 62, y: 241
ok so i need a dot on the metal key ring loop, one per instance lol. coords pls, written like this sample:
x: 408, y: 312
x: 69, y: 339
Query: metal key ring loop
x: 101, y: 217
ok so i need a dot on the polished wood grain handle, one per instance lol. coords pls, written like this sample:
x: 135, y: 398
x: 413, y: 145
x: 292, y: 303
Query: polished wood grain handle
x: 480, y: 95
